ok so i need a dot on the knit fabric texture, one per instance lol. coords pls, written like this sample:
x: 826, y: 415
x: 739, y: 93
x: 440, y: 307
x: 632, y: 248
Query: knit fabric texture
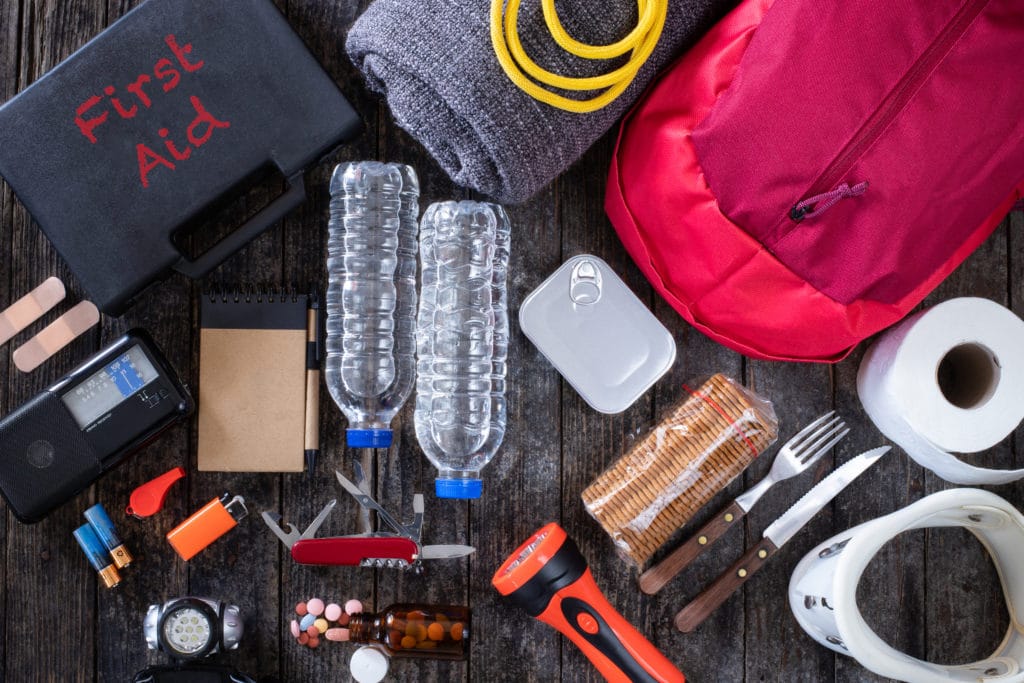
x: 433, y: 61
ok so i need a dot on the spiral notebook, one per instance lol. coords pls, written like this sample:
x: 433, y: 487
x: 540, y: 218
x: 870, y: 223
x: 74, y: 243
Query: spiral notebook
x: 252, y: 381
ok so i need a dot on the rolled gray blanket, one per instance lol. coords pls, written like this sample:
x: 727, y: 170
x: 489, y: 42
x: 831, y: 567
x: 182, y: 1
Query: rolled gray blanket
x: 434, y: 62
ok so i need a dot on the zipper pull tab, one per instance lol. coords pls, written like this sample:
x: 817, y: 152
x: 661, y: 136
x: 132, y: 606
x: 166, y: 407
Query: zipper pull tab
x: 820, y: 203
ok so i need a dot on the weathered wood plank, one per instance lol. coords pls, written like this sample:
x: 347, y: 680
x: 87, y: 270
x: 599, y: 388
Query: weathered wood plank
x: 775, y: 646
x: 155, y: 575
x: 10, y: 57
x: 592, y: 441
x: 232, y: 569
x: 322, y: 26
x: 893, y: 583
x: 43, y: 560
x: 714, y: 652
x: 404, y: 470
x: 962, y: 595
x: 1015, y: 286
x: 521, y: 483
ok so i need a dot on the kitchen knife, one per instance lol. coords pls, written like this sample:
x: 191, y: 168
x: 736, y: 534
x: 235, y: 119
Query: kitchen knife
x: 775, y: 536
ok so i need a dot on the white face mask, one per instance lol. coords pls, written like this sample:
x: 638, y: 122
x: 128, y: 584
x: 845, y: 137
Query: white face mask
x: 823, y: 589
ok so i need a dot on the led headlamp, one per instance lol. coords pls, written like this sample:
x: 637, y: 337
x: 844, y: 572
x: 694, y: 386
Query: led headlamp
x: 191, y: 628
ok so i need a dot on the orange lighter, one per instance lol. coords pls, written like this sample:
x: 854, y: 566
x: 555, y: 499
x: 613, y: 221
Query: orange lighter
x: 209, y: 523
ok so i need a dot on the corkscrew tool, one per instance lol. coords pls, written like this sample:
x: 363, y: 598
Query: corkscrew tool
x: 548, y: 577
x: 399, y: 550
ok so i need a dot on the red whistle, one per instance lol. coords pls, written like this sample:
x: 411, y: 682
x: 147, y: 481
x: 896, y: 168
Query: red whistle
x: 148, y: 499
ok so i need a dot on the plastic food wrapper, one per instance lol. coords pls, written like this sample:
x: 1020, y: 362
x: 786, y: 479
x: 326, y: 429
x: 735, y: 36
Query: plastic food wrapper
x: 704, y: 443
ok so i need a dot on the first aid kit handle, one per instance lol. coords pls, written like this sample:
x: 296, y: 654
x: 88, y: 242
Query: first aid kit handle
x: 247, y: 232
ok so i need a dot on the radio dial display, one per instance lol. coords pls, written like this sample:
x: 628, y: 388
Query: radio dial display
x: 108, y: 388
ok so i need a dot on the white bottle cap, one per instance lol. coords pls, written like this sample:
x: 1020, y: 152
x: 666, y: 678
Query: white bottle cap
x: 368, y: 665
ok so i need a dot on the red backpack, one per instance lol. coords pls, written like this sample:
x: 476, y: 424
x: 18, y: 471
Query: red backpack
x: 810, y: 170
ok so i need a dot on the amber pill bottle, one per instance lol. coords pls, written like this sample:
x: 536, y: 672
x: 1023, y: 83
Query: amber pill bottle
x: 415, y: 630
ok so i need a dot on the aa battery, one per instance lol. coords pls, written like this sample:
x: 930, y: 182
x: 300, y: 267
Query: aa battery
x: 97, y: 555
x: 103, y: 526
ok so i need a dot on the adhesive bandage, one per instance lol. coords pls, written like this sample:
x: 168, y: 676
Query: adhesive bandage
x: 30, y: 308
x: 55, y: 336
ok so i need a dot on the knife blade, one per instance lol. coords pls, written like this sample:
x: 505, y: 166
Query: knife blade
x: 370, y: 504
x: 445, y: 552
x: 811, y: 503
x: 775, y: 536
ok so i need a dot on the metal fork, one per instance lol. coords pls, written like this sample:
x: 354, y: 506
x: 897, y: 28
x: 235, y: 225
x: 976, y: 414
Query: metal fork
x: 797, y: 455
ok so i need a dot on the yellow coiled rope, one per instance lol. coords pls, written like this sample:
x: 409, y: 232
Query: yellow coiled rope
x: 520, y: 68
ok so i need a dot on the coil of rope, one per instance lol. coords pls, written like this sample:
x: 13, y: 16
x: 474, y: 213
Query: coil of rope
x: 529, y: 77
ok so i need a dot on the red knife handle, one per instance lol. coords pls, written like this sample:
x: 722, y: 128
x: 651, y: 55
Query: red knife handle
x: 350, y: 551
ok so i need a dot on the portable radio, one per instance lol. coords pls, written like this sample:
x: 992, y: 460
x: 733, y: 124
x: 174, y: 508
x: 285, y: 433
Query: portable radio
x: 64, y: 439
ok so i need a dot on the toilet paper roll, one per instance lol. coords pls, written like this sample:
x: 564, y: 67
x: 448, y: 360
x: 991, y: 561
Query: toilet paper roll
x: 948, y: 380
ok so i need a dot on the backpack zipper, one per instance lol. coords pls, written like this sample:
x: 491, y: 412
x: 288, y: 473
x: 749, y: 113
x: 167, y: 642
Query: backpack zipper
x: 892, y: 105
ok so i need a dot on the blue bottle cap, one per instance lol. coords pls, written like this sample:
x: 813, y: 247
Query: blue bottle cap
x: 368, y: 438
x: 458, y: 488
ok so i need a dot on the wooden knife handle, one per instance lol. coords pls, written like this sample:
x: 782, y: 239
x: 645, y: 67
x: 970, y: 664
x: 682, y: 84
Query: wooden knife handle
x: 691, y: 616
x: 655, y: 578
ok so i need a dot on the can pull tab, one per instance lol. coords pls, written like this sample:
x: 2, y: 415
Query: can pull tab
x: 585, y: 283
x: 148, y: 499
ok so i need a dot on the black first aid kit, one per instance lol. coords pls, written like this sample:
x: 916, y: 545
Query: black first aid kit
x: 170, y: 112
x: 64, y: 439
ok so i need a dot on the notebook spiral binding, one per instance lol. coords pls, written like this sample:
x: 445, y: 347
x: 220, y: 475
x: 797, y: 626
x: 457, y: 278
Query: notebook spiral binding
x: 249, y: 293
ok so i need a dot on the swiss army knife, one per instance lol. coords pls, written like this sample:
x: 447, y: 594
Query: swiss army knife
x: 399, y: 550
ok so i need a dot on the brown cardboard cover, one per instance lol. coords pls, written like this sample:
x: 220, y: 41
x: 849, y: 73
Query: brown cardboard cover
x: 252, y: 400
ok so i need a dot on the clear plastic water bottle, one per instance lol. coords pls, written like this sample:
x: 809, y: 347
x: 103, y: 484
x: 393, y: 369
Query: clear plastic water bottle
x: 371, y: 298
x: 462, y: 341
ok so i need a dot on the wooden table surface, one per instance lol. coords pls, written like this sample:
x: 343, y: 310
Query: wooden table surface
x: 932, y: 594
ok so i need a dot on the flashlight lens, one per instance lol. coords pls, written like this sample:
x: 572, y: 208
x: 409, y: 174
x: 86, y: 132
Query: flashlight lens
x: 525, y: 553
x: 187, y: 630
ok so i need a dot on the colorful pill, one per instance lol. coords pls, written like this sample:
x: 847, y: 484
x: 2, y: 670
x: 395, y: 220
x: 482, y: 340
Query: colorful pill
x: 315, y: 606
x: 337, y: 634
x: 303, y: 638
x: 314, y: 642
x: 435, y: 631
x: 408, y: 642
x: 312, y: 632
x: 353, y: 607
x: 457, y: 630
x: 295, y: 629
x: 320, y: 625
x: 344, y: 619
x: 301, y: 609
x: 332, y: 612
x: 306, y: 622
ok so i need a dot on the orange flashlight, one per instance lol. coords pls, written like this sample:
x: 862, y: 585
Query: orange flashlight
x: 548, y: 577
